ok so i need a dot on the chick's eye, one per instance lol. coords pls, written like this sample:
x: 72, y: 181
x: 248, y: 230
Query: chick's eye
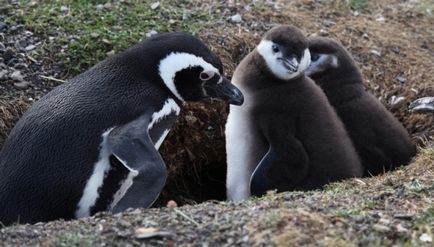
x: 275, y: 49
x: 314, y: 57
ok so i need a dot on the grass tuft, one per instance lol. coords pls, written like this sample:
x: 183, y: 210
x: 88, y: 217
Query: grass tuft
x: 80, y: 33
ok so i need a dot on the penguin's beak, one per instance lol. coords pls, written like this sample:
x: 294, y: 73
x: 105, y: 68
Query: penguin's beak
x: 226, y: 91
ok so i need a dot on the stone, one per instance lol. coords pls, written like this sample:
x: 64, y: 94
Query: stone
x: 30, y: 47
x: 99, y: 6
x: 236, y: 18
x: 22, y: 85
x: 155, y: 5
x: 107, y: 5
x: 21, y: 44
x: 2, y: 47
x: 151, y: 33
x: 8, y: 54
x: 16, y: 76
x: 3, y: 75
x: 3, y: 26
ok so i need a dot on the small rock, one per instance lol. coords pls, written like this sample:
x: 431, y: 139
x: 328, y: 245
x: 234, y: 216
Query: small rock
x: 155, y: 5
x: 380, y: 19
x: 21, y: 44
x: 3, y: 75
x: 396, y: 50
x: 376, y: 53
x: 16, y: 28
x: 403, y: 216
x: 2, y: 47
x: 106, y: 41
x: 329, y: 23
x: 3, y: 26
x: 396, y: 102
x: 94, y: 35
x: 64, y: 9
x: 150, y: 232
x: 425, y: 238
x: 384, y: 221
x: 401, y: 229
x: 16, y: 76
x: 236, y: 18
x: 380, y: 228
x: 172, y: 204
x: 401, y: 79
x: 20, y: 66
x: 110, y: 53
x: 22, y: 85
x: 107, y: 5
x: 30, y: 47
x: 99, y: 6
x: 151, y: 33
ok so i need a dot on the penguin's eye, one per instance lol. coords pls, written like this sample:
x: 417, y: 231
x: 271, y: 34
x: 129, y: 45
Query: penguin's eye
x: 275, y: 48
x: 206, y: 75
x: 314, y: 57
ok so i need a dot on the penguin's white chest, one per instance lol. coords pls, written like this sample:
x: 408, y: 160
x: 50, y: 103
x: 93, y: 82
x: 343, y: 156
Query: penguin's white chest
x: 162, y: 120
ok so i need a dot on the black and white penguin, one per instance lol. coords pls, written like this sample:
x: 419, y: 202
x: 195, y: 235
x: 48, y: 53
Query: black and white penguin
x: 285, y: 136
x: 92, y: 143
x: 379, y: 138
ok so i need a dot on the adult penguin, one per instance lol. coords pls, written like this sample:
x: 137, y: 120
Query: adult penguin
x: 91, y: 144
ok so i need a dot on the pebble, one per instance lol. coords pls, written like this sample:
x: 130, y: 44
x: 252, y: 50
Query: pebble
x: 21, y: 44
x: 2, y: 47
x: 16, y: 76
x: 401, y: 229
x: 425, y: 238
x: 236, y: 18
x: 381, y: 228
x: 376, y: 53
x: 22, y: 85
x: 3, y: 75
x: 155, y: 5
x: 99, y: 6
x: 2, y: 26
x: 30, y: 47
x: 107, y: 5
x: 151, y: 33
x: 8, y: 54
x: 401, y: 79
x: 64, y: 9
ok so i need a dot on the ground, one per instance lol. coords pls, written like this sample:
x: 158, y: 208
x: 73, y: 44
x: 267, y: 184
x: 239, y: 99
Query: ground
x: 45, y: 43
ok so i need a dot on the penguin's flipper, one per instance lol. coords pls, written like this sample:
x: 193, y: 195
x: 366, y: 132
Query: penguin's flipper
x: 284, y: 167
x: 132, y: 146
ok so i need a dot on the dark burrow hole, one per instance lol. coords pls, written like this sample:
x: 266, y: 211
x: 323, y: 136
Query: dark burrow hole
x: 208, y: 183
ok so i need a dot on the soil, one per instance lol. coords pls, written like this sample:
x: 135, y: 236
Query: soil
x: 393, y: 43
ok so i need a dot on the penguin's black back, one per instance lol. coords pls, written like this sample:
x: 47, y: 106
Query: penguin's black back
x: 51, y: 152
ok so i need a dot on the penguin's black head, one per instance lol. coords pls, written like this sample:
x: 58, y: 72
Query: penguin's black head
x: 329, y: 57
x: 191, y: 71
x: 285, y: 51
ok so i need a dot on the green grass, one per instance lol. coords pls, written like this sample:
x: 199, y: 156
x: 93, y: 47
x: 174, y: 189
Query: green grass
x: 99, y: 32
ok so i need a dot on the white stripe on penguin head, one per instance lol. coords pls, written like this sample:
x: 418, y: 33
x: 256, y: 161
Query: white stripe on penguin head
x: 177, y: 61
